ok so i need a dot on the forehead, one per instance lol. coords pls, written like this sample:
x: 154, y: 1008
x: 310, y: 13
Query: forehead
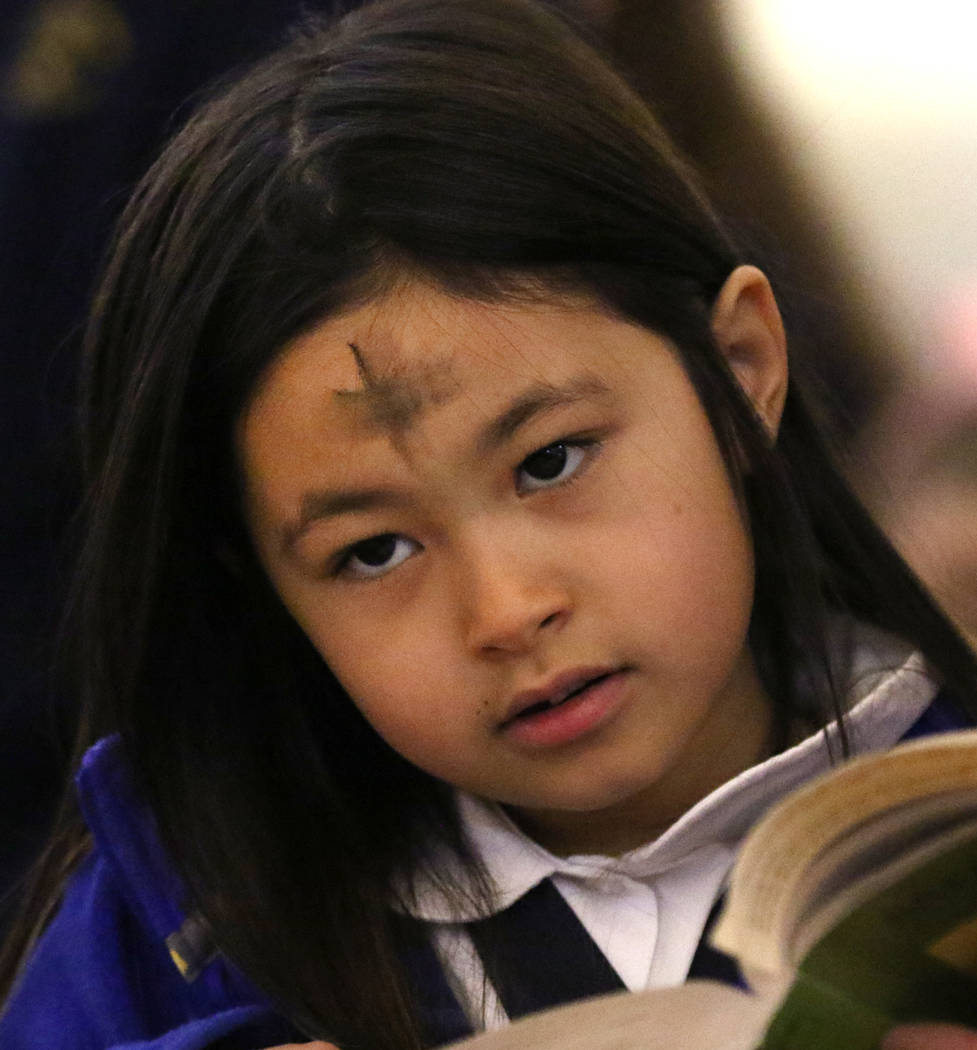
x: 425, y: 388
x: 392, y: 392
x: 384, y: 366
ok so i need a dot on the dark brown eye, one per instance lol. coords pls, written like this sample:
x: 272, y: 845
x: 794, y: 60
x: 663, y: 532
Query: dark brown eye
x: 551, y: 465
x: 547, y: 463
x: 376, y: 556
x: 376, y: 551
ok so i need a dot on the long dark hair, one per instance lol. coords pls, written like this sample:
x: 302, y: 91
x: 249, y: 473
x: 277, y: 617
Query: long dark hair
x: 482, y: 145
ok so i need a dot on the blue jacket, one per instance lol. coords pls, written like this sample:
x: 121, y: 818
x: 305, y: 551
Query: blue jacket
x: 102, y: 975
x: 103, y: 978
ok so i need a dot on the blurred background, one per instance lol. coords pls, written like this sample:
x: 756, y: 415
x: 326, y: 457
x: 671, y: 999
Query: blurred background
x: 875, y: 104
x: 839, y: 140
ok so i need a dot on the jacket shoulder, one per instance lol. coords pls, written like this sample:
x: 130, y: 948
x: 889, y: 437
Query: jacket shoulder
x: 101, y: 975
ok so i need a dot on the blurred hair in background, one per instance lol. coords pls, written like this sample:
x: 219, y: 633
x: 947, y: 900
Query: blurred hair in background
x: 839, y: 141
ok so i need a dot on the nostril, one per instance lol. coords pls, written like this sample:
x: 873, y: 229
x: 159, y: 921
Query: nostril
x: 549, y: 619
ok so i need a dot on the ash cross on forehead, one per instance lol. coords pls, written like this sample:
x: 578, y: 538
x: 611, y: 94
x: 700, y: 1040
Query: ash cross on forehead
x: 394, y: 401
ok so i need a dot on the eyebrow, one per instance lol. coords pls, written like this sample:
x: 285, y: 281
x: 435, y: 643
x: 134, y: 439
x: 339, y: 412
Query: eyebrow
x: 535, y: 401
x: 538, y: 399
x: 318, y: 506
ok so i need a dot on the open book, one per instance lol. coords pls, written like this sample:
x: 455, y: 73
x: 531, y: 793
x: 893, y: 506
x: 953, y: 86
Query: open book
x: 852, y: 906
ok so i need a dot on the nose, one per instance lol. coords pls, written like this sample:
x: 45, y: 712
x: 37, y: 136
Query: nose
x: 511, y: 596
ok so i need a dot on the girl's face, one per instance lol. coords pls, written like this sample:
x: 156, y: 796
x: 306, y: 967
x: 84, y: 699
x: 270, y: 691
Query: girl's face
x: 510, y: 534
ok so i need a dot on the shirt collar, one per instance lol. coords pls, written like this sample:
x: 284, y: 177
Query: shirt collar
x: 891, y: 689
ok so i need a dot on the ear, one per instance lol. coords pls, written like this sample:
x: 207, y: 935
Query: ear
x: 749, y: 332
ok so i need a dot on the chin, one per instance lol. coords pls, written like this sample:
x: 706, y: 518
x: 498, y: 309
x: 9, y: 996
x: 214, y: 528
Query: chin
x: 594, y: 798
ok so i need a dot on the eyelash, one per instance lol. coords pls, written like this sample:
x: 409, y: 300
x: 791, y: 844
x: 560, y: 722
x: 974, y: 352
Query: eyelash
x: 587, y: 447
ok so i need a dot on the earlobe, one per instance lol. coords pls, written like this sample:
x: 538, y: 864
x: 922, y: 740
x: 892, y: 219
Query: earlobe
x: 749, y: 332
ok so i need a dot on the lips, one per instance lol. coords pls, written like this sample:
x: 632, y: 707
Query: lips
x: 569, y: 709
x: 559, y: 689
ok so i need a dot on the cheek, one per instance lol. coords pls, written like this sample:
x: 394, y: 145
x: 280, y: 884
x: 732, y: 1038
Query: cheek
x: 410, y: 715
x: 692, y: 539
x: 398, y: 684
x: 347, y: 646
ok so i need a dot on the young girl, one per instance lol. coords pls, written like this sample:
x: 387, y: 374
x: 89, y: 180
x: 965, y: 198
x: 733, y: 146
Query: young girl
x: 462, y: 575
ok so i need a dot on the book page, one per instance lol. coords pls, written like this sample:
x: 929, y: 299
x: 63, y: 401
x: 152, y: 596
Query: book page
x: 767, y: 889
x: 699, y: 1015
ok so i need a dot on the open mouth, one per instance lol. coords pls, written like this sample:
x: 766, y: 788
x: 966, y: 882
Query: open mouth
x: 549, y: 705
x: 568, y: 708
